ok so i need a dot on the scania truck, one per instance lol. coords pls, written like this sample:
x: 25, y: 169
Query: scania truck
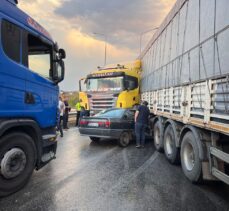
x: 31, y: 67
x: 185, y: 79
x: 113, y: 86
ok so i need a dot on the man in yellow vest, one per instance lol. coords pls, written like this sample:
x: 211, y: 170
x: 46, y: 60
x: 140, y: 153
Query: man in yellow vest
x: 78, y: 109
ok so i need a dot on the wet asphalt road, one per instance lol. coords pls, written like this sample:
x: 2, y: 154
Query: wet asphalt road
x: 88, y: 176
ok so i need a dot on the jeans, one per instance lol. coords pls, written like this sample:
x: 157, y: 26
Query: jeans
x: 140, y: 133
x: 59, y: 126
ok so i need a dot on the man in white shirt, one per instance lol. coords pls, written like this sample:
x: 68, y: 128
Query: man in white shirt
x: 61, y: 108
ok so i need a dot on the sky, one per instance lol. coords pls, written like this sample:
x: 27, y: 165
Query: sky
x: 82, y: 27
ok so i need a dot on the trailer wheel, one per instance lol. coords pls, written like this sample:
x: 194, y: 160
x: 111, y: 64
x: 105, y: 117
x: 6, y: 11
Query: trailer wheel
x: 171, y: 151
x: 124, y: 139
x: 94, y: 139
x: 190, y: 160
x: 17, y: 162
x: 158, y: 142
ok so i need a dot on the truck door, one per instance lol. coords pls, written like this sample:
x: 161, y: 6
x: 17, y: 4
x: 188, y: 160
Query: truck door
x: 41, y: 98
x: 12, y: 74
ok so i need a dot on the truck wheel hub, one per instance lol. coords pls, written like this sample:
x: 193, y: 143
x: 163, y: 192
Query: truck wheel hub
x: 169, y: 145
x: 189, y: 157
x: 157, y: 136
x: 13, y: 163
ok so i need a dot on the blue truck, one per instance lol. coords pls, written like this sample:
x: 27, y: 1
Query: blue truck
x: 31, y: 66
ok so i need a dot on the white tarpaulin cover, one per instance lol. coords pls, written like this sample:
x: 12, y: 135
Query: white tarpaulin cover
x: 192, y: 44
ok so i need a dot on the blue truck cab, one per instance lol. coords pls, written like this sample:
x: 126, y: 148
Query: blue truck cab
x: 31, y: 66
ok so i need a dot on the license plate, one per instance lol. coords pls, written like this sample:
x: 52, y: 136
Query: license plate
x: 93, y: 124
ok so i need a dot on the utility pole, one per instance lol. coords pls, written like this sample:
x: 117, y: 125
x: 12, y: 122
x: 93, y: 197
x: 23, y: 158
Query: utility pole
x: 105, y: 46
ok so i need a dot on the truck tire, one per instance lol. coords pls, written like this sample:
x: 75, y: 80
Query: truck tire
x: 124, y: 139
x: 190, y: 160
x: 94, y: 139
x: 17, y: 162
x: 157, y: 133
x: 170, y: 149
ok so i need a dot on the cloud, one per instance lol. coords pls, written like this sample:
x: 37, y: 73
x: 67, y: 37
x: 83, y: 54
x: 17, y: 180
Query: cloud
x: 121, y: 20
x: 72, y: 23
x: 85, y: 53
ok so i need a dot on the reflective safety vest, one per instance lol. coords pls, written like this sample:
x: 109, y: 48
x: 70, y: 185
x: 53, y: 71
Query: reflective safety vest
x: 78, y: 106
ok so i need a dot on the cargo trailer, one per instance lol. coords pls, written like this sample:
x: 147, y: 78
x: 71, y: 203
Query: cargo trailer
x: 185, y: 79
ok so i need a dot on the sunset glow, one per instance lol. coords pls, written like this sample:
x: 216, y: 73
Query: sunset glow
x: 72, y: 25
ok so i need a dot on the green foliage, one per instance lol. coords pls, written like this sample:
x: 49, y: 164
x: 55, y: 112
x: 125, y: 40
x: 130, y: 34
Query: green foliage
x: 73, y: 98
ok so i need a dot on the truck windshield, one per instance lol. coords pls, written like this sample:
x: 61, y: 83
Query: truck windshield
x: 105, y: 84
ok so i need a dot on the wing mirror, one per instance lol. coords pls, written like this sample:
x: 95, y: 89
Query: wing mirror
x: 62, y: 53
x: 127, y: 85
x: 125, y: 116
x: 59, y: 72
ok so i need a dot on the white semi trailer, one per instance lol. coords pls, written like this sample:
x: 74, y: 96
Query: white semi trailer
x: 185, y: 79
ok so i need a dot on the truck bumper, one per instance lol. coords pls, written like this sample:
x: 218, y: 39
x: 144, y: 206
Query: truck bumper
x: 48, y: 152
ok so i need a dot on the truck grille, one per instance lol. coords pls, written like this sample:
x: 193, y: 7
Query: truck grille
x: 101, y: 102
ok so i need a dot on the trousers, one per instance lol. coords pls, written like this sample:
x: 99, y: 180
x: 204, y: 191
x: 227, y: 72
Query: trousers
x: 140, y: 129
x: 59, y: 126
x: 77, y: 118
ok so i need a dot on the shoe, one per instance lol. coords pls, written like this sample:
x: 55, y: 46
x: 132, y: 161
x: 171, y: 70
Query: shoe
x: 61, y: 136
x: 138, y: 146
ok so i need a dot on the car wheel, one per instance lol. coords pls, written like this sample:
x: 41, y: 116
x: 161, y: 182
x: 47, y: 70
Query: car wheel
x: 17, y: 162
x: 124, y: 139
x: 190, y: 161
x: 171, y: 151
x: 95, y: 139
x: 158, y: 141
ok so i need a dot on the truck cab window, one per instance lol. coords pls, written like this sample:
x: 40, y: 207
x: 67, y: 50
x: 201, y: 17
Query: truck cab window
x: 11, y: 35
x: 39, y: 56
x: 131, y: 82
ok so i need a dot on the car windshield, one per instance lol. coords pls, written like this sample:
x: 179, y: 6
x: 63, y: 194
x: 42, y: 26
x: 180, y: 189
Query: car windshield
x: 112, y: 113
x: 105, y: 84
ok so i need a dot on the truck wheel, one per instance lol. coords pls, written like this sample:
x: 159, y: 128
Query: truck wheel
x: 158, y: 142
x: 124, y: 139
x: 190, y: 160
x: 17, y: 162
x: 171, y: 151
x: 94, y: 139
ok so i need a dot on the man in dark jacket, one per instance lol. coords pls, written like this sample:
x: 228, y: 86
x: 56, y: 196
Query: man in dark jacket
x: 141, y: 122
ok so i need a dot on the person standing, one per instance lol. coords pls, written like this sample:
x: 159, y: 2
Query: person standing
x: 66, y: 112
x: 83, y: 112
x: 141, y: 122
x: 61, y: 108
x: 78, y: 108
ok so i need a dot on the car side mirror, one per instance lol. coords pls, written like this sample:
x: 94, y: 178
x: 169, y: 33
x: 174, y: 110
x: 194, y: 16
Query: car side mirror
x: 125, y: 116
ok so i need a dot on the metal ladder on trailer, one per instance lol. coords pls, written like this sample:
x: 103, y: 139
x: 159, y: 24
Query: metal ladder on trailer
x: 215, y: 155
